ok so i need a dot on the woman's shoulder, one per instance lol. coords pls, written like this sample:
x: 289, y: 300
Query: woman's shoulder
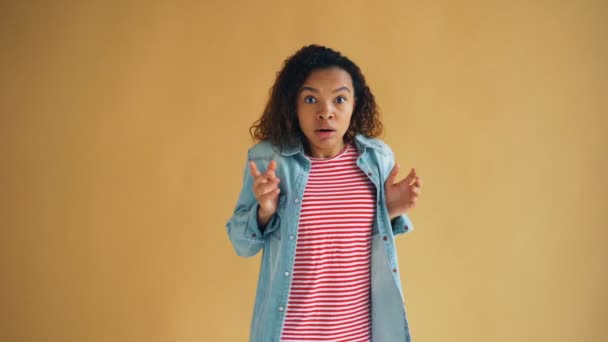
x: 376, y: 144
x: 264, y: 150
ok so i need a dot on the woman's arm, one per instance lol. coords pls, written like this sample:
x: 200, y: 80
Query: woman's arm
x: 251, y: 223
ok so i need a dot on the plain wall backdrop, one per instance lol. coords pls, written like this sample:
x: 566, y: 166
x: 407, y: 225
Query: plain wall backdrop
x: 123, y: 138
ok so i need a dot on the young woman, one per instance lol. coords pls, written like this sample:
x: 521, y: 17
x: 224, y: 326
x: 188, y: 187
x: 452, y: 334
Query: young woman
x: 321, y: 199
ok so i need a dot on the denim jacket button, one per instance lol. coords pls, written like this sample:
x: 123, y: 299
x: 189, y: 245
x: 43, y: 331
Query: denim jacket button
x: 385, y: 238
x: 254, y: 235
x: 281, y: 308
x: 395, y: 270
x: 287, y: 274
x: 369, y: 174
x: 296, y: 200
x: 290, y: 237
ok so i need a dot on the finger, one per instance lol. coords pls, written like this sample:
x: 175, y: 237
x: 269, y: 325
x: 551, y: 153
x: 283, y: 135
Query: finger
x: 269, y: 195
x: 272, y: 166
x: 418, y: 182
x: 264, y: 179
x: 415, y: 190
x: 253, y: 169
x: 259, y: 181
x: 264, y: 186
x: 409, y: 179
x: 392, y: 175
x: 270, y: 171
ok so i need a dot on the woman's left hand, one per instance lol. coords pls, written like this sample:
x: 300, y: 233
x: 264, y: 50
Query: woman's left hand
x: 401, y: 196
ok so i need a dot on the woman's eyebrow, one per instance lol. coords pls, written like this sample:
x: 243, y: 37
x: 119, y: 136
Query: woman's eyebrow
x: 315, y: 90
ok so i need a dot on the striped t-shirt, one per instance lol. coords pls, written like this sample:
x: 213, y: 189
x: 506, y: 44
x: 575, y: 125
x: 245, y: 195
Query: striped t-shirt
x: 329, y: 299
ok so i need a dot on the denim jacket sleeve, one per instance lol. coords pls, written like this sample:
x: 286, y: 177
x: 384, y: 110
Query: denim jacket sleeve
x: 246, y: 236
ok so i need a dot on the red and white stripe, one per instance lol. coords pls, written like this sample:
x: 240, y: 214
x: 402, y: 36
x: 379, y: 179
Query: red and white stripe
x: 329, y: 299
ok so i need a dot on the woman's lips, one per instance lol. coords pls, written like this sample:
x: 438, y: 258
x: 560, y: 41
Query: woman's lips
x: 324, y: 133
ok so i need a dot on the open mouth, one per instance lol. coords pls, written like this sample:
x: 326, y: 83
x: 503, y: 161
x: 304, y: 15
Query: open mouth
x: 325, y: 133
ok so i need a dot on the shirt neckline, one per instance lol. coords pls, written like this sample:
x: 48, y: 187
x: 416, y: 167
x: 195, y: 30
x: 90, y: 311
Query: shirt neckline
x: 346, y: 148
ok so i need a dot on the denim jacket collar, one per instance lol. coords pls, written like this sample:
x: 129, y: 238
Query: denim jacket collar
x: 361, y: 141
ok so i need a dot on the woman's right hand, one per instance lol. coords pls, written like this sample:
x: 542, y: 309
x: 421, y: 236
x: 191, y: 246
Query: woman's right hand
x: 266, y: 191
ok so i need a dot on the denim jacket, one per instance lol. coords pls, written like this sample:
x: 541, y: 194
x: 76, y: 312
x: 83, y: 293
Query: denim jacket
x: 278, y: 240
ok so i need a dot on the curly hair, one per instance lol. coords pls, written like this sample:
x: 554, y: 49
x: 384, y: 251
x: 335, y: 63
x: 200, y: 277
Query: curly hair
x: 279, y: 121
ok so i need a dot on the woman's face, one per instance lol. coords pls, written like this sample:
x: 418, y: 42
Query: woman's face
x: 325, y: 105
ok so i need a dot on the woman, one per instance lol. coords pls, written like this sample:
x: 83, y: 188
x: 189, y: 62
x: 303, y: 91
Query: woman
x: 320, y: 198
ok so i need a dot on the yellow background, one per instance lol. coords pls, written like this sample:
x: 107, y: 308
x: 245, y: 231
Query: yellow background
x: 123, y: 137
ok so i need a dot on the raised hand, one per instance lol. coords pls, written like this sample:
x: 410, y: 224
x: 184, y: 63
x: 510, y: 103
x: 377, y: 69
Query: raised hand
x: 266, y: 191
x: 401, y: 196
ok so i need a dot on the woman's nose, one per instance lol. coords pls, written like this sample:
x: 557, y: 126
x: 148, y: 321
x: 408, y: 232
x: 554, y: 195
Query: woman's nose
x: 325, y: 111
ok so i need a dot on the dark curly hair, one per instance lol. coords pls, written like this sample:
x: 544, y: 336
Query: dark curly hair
x: 279, y: 121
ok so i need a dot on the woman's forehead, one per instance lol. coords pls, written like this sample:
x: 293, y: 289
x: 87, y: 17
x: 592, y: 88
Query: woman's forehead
x: 328, y: 80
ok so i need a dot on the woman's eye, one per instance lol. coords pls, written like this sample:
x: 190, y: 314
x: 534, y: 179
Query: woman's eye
x: 310, y: 99
x: 341, y: 99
